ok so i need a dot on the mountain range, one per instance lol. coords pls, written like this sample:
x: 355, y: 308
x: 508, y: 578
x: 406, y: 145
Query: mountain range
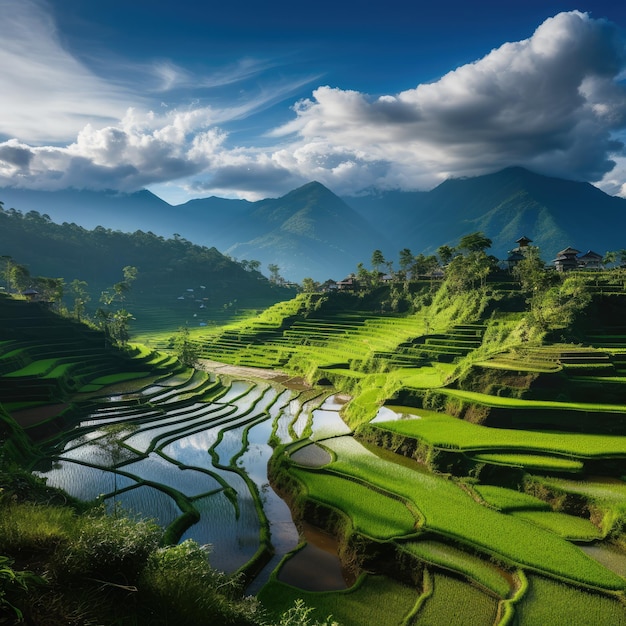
x: 312, y: 232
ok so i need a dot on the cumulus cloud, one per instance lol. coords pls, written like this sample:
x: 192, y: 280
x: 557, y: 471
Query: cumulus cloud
x: 554, y: 103
x: 551, y: 102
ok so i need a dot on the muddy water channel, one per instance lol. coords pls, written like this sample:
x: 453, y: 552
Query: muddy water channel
x: 171, y: 452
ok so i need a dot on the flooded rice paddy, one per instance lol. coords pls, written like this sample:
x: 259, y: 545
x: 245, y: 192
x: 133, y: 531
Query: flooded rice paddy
x: 169, y: 448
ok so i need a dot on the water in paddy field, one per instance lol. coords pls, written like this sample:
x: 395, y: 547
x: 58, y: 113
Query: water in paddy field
x: 316, y: 567
x: 189, y: 449
x: 145, y: 502
x: 83, y: 482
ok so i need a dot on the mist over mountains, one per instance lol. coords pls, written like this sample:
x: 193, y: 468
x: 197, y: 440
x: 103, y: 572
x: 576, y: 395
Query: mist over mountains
x: 312, y: 232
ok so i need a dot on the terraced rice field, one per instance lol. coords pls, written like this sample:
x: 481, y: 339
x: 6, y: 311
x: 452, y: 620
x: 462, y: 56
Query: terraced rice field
x: 191, y: 450
x: 191, y: 443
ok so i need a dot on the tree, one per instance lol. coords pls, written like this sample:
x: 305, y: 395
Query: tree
x: 19, y: 277
x: 186, y: 351
x: 378, y: 260
x: 118, y: 326
x: 78, y: 290
x: 475, y: 242
x: 445, y: 254
x: 120, y: 289
x: 610, y: 258
x: 309, y: 285
x: 274, y: 272
x: 50, y: 289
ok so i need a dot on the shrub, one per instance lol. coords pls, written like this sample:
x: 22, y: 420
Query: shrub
x: 12, y: 583
x: 180, y: 586
x: 113, y: 549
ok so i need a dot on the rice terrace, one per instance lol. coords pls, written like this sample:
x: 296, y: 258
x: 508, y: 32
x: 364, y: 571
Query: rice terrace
x: 443, y: 449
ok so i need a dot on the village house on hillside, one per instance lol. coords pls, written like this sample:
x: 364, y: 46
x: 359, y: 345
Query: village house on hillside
x: 590, y: 260
x: 568, y: 259
x: 517, y: 254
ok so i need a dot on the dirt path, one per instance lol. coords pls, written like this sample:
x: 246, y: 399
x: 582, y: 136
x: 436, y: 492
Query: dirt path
x: 292, y: 382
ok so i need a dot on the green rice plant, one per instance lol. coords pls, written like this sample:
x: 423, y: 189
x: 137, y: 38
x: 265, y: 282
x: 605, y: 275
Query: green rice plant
x: 450, y: 511
x: 538, y: 462
x: 36, y: 368
x: 371, y: 512
x: 515, y: 403
x: 112, y: 379
x: 447, y: 556
x: 567, y: 526
x: 551, y: 602
x: 372, y: 600
x: 509, y: 500
x: 457, y: 603
x: 444, y: 431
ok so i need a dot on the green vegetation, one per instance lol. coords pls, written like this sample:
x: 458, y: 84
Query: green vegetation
x: 467, y: 401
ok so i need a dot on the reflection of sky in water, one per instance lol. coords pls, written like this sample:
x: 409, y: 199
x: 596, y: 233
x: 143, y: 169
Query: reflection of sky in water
x: 281, y: 402
x: 286, y: 417
x: 148, y: 503
x: 85, y: 483
x: 143, y: 438
x: 232, y: 439
x: 236, y: 389
x: 99, y: 418
x: 387, y: 415
x: 327, y: 423
x: 234, y: 541
x: 189, y: 482
x: 300, y: 424
x: 254, y: 462
x: 95, y: 454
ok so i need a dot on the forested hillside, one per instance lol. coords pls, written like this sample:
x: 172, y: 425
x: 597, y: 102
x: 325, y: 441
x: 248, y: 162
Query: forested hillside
x: 176, y: 278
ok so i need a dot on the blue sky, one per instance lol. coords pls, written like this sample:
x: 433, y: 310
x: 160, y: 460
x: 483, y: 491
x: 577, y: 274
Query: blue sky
x: 250, y: 99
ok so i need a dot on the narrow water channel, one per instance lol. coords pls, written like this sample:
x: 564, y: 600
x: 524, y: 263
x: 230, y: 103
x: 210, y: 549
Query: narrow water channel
x: 316, y: 567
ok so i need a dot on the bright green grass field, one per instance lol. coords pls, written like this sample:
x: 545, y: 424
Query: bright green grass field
x: 566, y: 526
x: 501, y: 401
x: 470, y: 606
x: 444, y: 431
x: 507, y: 499
x: 372, y: 513
x: 452, y: 558
x: 450, y: 511
x: 540, y: 462
x: 548, y: 602
x: 374, y: 600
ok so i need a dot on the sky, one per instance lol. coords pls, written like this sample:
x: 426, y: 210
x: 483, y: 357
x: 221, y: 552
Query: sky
x: 250, y: 99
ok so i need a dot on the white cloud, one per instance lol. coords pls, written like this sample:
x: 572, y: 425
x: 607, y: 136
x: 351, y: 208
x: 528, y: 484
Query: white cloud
x: 553, y: 103
x: 47, y: 95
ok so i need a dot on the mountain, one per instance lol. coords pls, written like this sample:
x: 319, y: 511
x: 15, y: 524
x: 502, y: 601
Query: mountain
x: 312, y: 232
x: 553, y: 212
x: 308, y: 232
